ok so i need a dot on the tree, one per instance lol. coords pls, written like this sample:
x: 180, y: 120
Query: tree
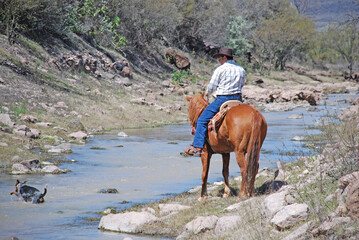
x: 32, y: 17
x: 98, y: 21
x: 344, y: 39
x: 237, y: 40
x: 301, y: 5
x: 320, y: 52
x: 285, y: 35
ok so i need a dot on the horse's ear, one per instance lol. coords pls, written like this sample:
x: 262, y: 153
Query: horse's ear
x: 203, y: 94
x: 188, y: 98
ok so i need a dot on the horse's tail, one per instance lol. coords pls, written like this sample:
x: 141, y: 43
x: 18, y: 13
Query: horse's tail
x: 253, y: 151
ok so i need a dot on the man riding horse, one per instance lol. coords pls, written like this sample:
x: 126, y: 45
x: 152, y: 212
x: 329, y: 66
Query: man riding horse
x: 242, y: 130
x: 227, y: 80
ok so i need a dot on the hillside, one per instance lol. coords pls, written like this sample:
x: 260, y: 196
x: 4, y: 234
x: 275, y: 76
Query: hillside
x: 331, y: 11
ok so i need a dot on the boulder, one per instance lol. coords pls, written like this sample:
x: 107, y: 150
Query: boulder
x: 227, y: 223
x: 126, y: 222
x: 170, y: 208
x: 18, y: 168
x: 32, y: 164
x: 78, y: 135
x: 329, y: 225
x: 27, y: 118
x: 53, y: 169
x: 299, y: 232
x: 273, y: 203
x: 122, y: 134
x: 5, y: 119
x: 290, y: 215
x: 33, y: 133
x: 126, y: 72
x: 201, y: 224
x: 352, y: 203
x: 239, y: 205
x: 179, y: 60
x: 62, y: 148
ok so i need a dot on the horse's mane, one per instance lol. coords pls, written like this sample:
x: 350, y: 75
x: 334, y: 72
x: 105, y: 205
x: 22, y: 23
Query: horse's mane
x: 196, y: 107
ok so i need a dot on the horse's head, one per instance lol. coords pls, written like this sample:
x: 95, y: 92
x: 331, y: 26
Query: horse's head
x: 196, y: 106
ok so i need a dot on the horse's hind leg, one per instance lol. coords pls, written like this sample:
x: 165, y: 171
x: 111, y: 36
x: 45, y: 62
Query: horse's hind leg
x: 225, y: 172
x: 205, y: 157
x: 242, y: 165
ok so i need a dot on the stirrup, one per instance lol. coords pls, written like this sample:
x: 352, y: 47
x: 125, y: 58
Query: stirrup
x: 188, y: 148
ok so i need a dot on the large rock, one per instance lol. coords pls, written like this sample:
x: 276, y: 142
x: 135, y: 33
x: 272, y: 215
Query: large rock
x: 227, y: 223
x: 18, y: 168
x: 170, y: 208
x: 5, y: 119
x: 78, y: 135
x: 201, y: 224
x: 330, y: 225
x: 33, y: 133
x: 273, y: 203
x: 27, y: 118
x: 33, y: 164
x: 126, y: 222
x: 62, y: 148
x: 53, y: 169
x: 295, y: 95
x: 290, y: 215
x: 352, y: 203
x: 299, y: 232
x: 181, y: 61
x: 239, y: 205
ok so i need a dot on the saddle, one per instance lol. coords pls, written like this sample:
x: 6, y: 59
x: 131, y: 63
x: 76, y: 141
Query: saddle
x: 217, y: 120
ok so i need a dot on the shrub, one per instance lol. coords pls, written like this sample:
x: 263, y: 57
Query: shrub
x: 184, y: 76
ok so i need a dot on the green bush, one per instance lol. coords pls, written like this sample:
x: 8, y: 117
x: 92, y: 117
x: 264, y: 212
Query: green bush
x: 182, y: 76
x: 97, y: 19
x: 19, y: 108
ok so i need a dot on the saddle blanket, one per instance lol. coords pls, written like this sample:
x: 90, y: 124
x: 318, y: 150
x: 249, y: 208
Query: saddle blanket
x: 217, y: 120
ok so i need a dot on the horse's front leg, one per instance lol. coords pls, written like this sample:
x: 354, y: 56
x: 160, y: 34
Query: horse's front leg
x: 205, y: 157
x: 225, y: 172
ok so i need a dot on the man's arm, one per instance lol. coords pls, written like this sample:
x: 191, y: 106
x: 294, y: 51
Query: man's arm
x: 212, y: 86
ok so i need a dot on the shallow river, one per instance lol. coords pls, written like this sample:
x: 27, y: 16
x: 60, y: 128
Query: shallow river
x: 146, y: 166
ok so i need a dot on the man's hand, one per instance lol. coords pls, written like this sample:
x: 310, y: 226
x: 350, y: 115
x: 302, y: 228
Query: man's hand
x: 206, y: 97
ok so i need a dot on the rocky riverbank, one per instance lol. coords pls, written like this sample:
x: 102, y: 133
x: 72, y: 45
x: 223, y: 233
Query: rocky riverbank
x: 319, y: 199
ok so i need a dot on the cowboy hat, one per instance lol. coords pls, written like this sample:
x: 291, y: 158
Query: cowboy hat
x: 224, y: 52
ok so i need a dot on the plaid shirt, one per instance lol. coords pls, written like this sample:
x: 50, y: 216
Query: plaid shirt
x: 227, y: 79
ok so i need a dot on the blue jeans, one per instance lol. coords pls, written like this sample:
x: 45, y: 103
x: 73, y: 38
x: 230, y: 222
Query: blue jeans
x: 207, y: 115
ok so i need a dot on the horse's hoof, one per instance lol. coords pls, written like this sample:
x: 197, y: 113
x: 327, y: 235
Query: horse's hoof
x: 202, y: 198
x: 225, y: 195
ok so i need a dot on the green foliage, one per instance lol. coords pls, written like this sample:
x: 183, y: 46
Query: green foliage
x: 34, y: 47
x: 319, y: 51
x: 344, y: 40
x: 19, y: 108
x: 181, y: 76
x: 237, y: 28
x: 96, y: 19
x: 283, y: 36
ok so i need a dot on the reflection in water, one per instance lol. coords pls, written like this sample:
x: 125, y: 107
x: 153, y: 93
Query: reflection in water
x: 146, y: 166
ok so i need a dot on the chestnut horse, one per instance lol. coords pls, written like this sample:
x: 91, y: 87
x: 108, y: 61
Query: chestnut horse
x: 242, y: 131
